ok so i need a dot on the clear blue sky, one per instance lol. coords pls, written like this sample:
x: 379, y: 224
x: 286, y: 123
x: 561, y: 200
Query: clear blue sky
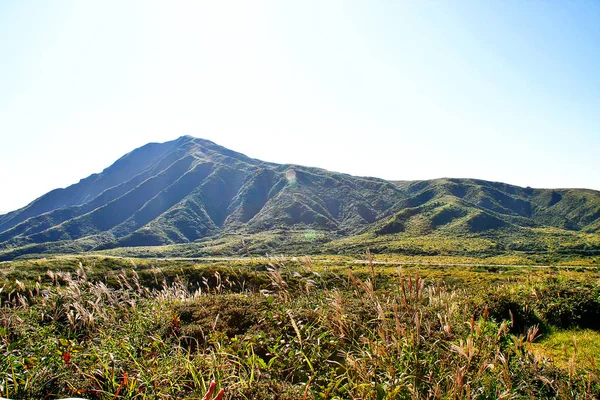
x: 499, y: 90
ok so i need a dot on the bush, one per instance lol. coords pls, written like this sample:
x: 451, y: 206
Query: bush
x: 554, y: 301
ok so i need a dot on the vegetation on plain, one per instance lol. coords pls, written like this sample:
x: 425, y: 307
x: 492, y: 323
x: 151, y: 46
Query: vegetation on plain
x: 296, y: 328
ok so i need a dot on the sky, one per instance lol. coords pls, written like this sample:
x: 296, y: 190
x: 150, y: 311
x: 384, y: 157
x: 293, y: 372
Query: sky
x: 499, y: 90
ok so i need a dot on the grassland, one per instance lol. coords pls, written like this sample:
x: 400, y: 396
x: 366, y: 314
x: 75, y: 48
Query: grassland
x: 352, y: 326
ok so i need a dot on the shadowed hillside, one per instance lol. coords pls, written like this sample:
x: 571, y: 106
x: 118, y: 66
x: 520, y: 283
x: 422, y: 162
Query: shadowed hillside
x: 190, y: 189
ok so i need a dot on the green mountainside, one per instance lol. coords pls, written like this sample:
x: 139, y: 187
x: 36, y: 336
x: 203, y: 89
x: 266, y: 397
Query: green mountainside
x: 190, y: 189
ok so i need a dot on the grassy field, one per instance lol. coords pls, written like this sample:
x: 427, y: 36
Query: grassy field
x: 539, y: 246
x: 327, y: 327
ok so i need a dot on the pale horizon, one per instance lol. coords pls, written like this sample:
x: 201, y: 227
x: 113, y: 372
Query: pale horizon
x: 504, y: 92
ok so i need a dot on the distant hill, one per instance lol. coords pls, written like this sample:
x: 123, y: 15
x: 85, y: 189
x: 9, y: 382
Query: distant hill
x: 190, y: 189
x: 470, y: 205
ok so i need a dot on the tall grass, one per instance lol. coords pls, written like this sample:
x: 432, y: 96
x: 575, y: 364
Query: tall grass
x: 292, y: 336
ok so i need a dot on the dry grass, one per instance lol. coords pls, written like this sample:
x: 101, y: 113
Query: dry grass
x: 302, y: 332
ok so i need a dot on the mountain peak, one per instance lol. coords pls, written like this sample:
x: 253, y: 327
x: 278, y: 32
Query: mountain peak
x: 190, y: 188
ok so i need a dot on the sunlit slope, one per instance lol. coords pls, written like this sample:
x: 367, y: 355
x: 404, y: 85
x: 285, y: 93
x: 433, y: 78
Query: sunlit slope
x: 469, y: 205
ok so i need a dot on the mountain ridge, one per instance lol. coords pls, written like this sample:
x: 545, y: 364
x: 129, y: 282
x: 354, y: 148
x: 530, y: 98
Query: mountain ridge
x: 189, y: 189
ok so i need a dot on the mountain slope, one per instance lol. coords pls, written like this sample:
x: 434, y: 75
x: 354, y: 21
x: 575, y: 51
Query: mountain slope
x: 184, y: 190
x: 571, y: 209
x: 189, y: 189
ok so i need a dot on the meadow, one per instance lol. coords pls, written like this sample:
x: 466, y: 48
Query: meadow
x: 326, y: 327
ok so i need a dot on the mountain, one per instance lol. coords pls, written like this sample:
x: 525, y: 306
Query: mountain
x: 471, y: 205
x: 190, y: 189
